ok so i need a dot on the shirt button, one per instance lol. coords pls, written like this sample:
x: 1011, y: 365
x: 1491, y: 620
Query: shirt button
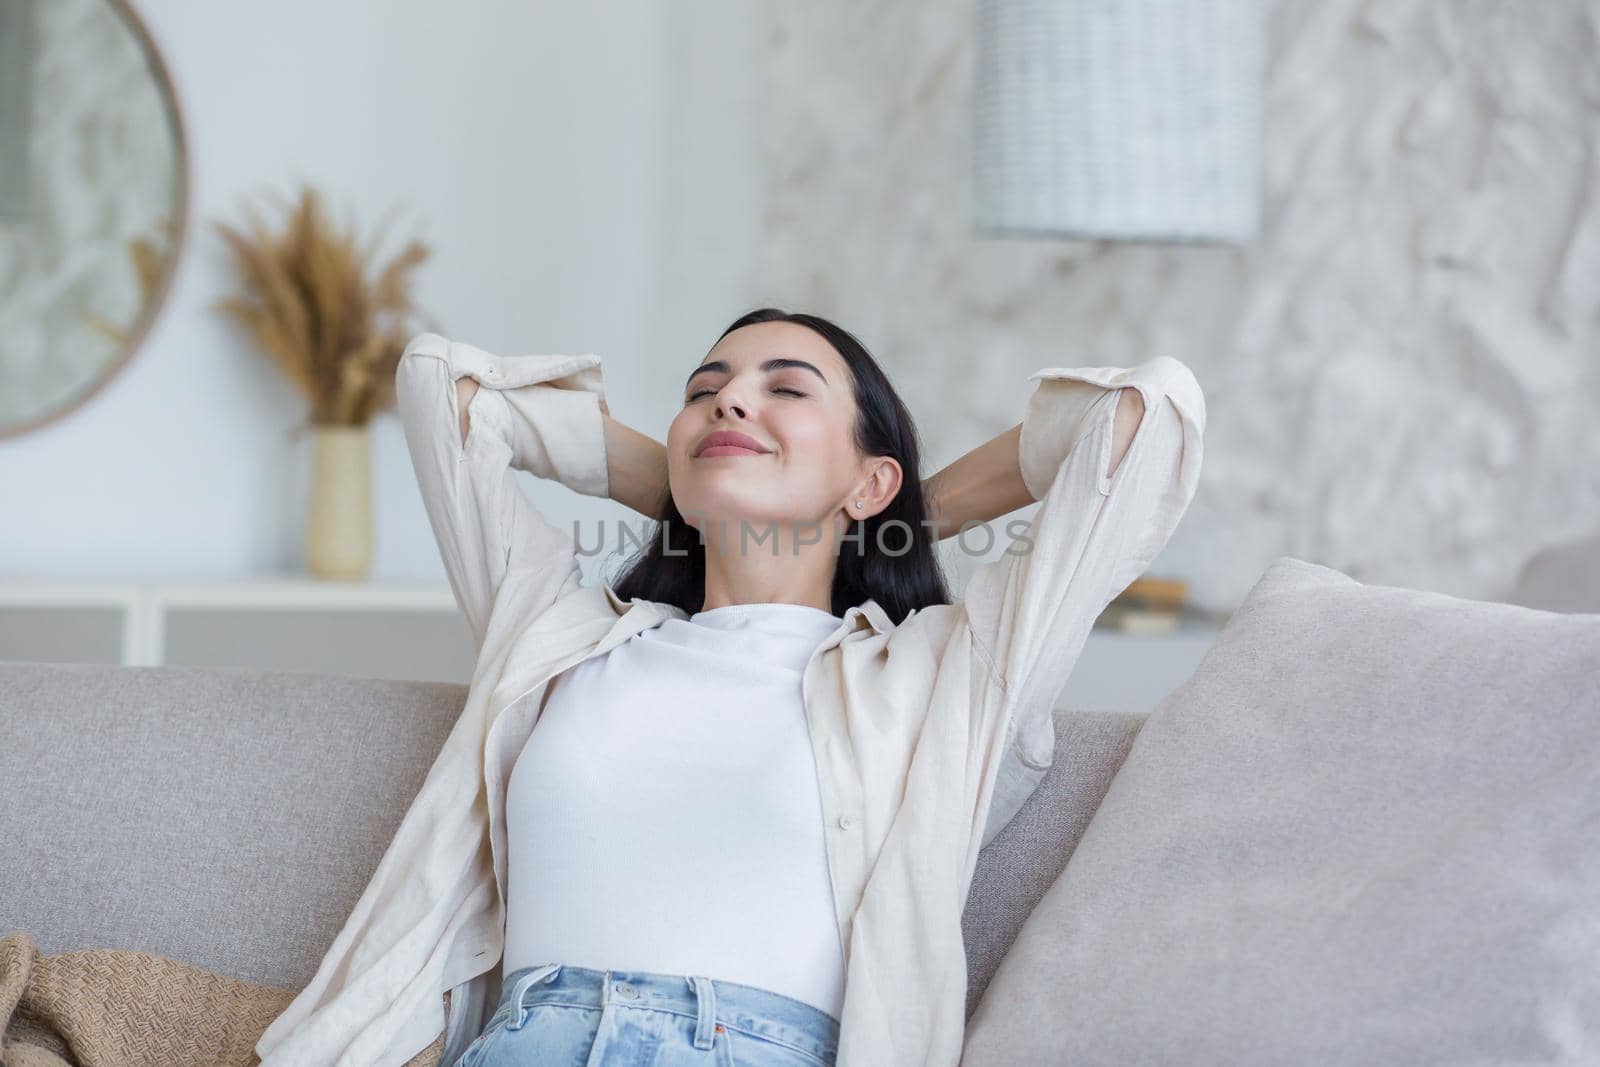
x: 845, y: 822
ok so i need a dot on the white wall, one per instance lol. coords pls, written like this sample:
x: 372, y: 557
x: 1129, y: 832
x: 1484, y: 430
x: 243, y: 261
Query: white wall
x: 582, y: 193
x: 1400, y: 372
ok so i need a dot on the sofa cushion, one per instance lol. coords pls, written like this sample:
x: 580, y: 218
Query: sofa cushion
x: 1367, y: 830
x: 226, y: 818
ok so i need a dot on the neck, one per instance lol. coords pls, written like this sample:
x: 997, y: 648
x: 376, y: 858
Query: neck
x: 775, y: 565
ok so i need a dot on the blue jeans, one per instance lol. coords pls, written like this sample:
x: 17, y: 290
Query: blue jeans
x: 559, y: 1016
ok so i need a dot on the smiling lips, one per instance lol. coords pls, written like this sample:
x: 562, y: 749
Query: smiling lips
x: 729, y: 443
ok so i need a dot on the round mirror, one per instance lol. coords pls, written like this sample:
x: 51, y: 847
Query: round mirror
x: 93, y: 200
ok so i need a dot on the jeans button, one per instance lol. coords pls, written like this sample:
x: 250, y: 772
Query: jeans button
x: 627, y: 990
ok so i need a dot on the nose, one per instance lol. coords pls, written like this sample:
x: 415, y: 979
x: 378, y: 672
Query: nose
x: 725, y: 405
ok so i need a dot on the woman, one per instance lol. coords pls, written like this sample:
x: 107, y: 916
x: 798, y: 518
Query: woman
x: 766, y: 759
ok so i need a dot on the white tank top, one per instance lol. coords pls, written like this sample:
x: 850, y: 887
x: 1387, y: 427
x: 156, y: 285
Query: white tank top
x: 664, y: 814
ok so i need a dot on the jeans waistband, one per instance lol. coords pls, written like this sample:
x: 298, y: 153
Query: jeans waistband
x: 755, y: 1011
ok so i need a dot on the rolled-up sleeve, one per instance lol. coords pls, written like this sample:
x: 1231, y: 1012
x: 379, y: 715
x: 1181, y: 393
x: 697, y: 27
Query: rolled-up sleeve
x: 1094, y: 532
x: 539, y: 413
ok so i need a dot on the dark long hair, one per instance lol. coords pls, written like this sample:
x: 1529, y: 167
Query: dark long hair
x: 904, y: 577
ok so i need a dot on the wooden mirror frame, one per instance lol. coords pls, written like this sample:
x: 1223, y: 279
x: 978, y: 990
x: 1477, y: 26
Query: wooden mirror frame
x: 180, y: 235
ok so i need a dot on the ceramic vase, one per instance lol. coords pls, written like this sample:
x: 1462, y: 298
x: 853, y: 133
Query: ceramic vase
x: 338, y: 541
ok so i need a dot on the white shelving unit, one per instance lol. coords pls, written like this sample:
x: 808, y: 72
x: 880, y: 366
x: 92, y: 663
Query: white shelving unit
x: 292, y: 623
x: 286, y: 622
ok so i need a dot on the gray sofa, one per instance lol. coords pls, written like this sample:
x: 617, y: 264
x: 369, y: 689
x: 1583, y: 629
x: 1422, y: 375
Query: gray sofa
x: 1367, y: 831
x: 230, y: 818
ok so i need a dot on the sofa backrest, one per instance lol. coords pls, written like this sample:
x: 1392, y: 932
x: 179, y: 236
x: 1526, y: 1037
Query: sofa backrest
x: 231, y: 818
x: 1024, y: 859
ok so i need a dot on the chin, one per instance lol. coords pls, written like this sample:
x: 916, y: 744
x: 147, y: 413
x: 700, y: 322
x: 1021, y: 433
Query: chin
x: 729, y: 512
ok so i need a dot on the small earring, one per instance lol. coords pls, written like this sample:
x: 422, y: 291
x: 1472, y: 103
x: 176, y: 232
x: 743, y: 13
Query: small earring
x: 858, y: 503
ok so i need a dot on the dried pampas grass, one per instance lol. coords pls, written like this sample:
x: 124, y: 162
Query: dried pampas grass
x: 336, y: 334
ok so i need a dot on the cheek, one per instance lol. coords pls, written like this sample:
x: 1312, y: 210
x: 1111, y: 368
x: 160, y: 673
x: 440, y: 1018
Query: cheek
x: 815, y: 433
x: 677, y: 433
x: 821, y: 455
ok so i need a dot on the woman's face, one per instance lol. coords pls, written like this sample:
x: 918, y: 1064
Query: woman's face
x: 801, y: 413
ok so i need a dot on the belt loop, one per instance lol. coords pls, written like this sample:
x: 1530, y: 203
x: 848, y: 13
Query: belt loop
x: 545, y: 973
x: 704, y: 1032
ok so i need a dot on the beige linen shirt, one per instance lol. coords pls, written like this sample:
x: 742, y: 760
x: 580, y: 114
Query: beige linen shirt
x: 927, y: 735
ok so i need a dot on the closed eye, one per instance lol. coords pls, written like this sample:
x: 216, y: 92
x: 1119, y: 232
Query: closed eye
x: 780, y: 389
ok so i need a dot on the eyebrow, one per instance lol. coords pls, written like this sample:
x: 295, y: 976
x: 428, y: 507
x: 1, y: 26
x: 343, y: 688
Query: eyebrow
x: 779, y: 363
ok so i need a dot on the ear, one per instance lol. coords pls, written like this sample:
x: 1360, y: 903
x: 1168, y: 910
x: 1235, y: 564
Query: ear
x: 877, y: 490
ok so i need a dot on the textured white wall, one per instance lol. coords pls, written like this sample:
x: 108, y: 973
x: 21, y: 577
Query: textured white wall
x: 1401, y: 372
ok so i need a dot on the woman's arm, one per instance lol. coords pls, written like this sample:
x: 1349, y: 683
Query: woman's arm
x: 986, y: 483
x: 982, y: 485
x: 637, y: 466
x: 465, y: 387
x: 485, y: 527
x: 1031, y: 609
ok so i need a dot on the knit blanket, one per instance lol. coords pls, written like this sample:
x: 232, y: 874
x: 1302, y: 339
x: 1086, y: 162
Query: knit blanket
x: 120, y: 1008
